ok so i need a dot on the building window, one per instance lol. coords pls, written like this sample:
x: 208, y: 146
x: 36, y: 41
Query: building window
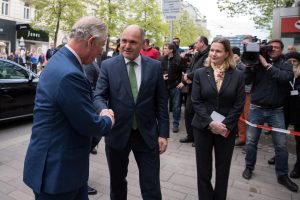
x: 26, y: 11
x: 4, y: 8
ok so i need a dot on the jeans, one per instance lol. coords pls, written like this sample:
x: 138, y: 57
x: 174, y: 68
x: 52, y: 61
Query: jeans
x: 274, y: 118
x: 174, y: 97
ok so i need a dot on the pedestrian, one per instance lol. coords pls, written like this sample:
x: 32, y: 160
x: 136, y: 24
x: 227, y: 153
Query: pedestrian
x: 218, y: 99
x: 132, y: 86
x: 270, y: 90
x: 202, y: 48
x: 57, y: 160
x: 294, y: 107
x: 172, y: 67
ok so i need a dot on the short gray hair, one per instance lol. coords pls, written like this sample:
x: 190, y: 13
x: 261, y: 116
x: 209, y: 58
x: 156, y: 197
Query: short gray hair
x: 89, y: 26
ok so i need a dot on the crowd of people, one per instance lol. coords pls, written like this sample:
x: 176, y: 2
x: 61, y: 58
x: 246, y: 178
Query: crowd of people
x: 83, y: 95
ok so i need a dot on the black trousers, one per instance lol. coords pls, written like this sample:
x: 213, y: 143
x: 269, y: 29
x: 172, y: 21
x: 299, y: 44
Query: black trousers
x: 148, y: 164
x: 188, y: 117
x: 206, y: 142
x: 297, y: 138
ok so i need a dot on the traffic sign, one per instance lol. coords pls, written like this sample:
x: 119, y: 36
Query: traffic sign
x: 171, y: 8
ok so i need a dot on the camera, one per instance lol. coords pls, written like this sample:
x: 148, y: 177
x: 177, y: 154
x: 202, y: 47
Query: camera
x: 252, y: 51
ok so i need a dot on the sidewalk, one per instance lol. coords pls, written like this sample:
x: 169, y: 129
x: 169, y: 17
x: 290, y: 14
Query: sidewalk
x: 178, y: 173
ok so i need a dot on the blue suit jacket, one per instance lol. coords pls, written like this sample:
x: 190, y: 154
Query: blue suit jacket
x: 57, y: 159
x: 113, y: 90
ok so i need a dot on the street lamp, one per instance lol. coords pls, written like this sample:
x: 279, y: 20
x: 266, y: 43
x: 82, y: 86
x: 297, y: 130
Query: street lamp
x: 22, y: 44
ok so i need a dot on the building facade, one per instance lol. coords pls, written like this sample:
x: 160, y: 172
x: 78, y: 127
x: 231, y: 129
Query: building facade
x: 15, y: 17
x: 286, y: 25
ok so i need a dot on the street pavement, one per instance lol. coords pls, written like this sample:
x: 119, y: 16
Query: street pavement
x: 178, y: 172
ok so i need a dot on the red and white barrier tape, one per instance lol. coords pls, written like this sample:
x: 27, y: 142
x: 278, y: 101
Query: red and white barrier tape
x: 269, y: 128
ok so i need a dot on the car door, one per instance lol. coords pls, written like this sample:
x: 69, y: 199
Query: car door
x: 17, y: 91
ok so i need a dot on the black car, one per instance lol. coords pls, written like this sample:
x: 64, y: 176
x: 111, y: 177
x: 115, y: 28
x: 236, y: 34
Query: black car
x: 17, y: 90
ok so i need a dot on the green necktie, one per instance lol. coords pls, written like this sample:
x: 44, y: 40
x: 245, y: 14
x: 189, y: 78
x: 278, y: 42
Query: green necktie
x: 134, y: 88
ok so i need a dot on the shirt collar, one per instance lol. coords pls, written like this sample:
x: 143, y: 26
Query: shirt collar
x: 75, y: 54
x: 137, y: 60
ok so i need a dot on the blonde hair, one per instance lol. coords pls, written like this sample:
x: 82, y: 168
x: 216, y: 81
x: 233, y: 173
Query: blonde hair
x: 229, y: 60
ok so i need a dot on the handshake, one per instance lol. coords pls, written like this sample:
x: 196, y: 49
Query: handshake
x: 109, y: 113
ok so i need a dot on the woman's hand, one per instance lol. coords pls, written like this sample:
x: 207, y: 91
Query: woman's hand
x: 217, y: 127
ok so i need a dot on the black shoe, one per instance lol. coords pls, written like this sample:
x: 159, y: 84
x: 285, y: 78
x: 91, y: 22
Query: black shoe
x: 295, y: 173
x: 175, y: 129
x: 94, y: 151
x: 186, y: 140
x: 91, y: 191
x: 287, y: 182
x: 247, y: 173
x: 271, y: 161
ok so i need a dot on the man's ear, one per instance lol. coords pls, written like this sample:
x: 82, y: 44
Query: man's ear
x: 91, y: 41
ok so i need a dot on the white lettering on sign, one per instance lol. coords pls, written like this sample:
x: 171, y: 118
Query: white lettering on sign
x: 32, y: 34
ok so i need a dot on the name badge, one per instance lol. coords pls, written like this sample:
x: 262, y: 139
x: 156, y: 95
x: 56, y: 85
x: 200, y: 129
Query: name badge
x: 294, y: 93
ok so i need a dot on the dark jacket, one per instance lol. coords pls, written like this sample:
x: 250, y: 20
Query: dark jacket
x: 151, y: 107
x: 294, y: 104
x: 174, y: 68
x: 197, y: 62
x: 92, y: 73
x: 229, y: 101
x: 270, y: 88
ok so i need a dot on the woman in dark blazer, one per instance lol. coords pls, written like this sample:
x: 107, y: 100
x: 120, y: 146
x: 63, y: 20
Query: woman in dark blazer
x: 218, y: 99
x: 294, y: 107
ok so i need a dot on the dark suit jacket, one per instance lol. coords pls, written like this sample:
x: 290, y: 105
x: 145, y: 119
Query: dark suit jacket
x: 229, y: 101
x: 113, y: 91
x: 57, y: 159
x: 50, y: 53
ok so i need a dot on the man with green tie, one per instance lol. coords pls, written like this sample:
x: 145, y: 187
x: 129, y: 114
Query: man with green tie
x: 133, y: 86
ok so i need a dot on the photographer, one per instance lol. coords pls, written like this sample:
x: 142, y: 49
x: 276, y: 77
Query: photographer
x: 269, y: 92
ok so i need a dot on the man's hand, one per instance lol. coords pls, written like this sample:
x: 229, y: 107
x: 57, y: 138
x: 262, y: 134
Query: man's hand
x: 263, y: 62
x: 163, y: 143
x: 109, y: 113
x: 186, y: 79
x: 180, y: 85
x: 165, y: 77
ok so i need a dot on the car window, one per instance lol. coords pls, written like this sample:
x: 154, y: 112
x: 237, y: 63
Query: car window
x: 11, y: 71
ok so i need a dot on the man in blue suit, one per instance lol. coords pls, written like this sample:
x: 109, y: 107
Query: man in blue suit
x: 57, y: 160
x: 133, y: 87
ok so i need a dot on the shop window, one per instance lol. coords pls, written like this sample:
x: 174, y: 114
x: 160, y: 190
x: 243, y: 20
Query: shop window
x: 4, y: 7
x: 26, y: 11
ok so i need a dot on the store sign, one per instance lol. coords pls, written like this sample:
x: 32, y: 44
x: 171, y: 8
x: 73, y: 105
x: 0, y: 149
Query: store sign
x: 290, y: 25
x: 25, y: 31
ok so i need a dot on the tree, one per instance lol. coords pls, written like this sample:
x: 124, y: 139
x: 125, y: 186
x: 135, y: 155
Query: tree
x: 148, y: 16
x: 56, y: 15
x: 185, y: 28
x: 261, y: 10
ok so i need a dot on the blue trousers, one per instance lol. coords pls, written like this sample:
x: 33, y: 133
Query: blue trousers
x: 274, y: 118
x: 79, y: 194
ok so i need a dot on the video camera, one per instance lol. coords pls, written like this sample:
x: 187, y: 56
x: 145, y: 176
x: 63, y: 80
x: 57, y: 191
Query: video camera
x: 252, y: 51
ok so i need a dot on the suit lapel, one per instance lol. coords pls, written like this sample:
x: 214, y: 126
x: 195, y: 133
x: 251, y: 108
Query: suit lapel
x: 144, y: 76
x: 211, y: 78
x: 121, y: 69
x: 226, y: 81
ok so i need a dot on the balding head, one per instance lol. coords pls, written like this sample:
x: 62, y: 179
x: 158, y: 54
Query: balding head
x: 131, y: 41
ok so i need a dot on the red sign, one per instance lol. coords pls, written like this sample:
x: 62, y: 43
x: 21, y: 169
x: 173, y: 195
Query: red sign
x: 290, y: 25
